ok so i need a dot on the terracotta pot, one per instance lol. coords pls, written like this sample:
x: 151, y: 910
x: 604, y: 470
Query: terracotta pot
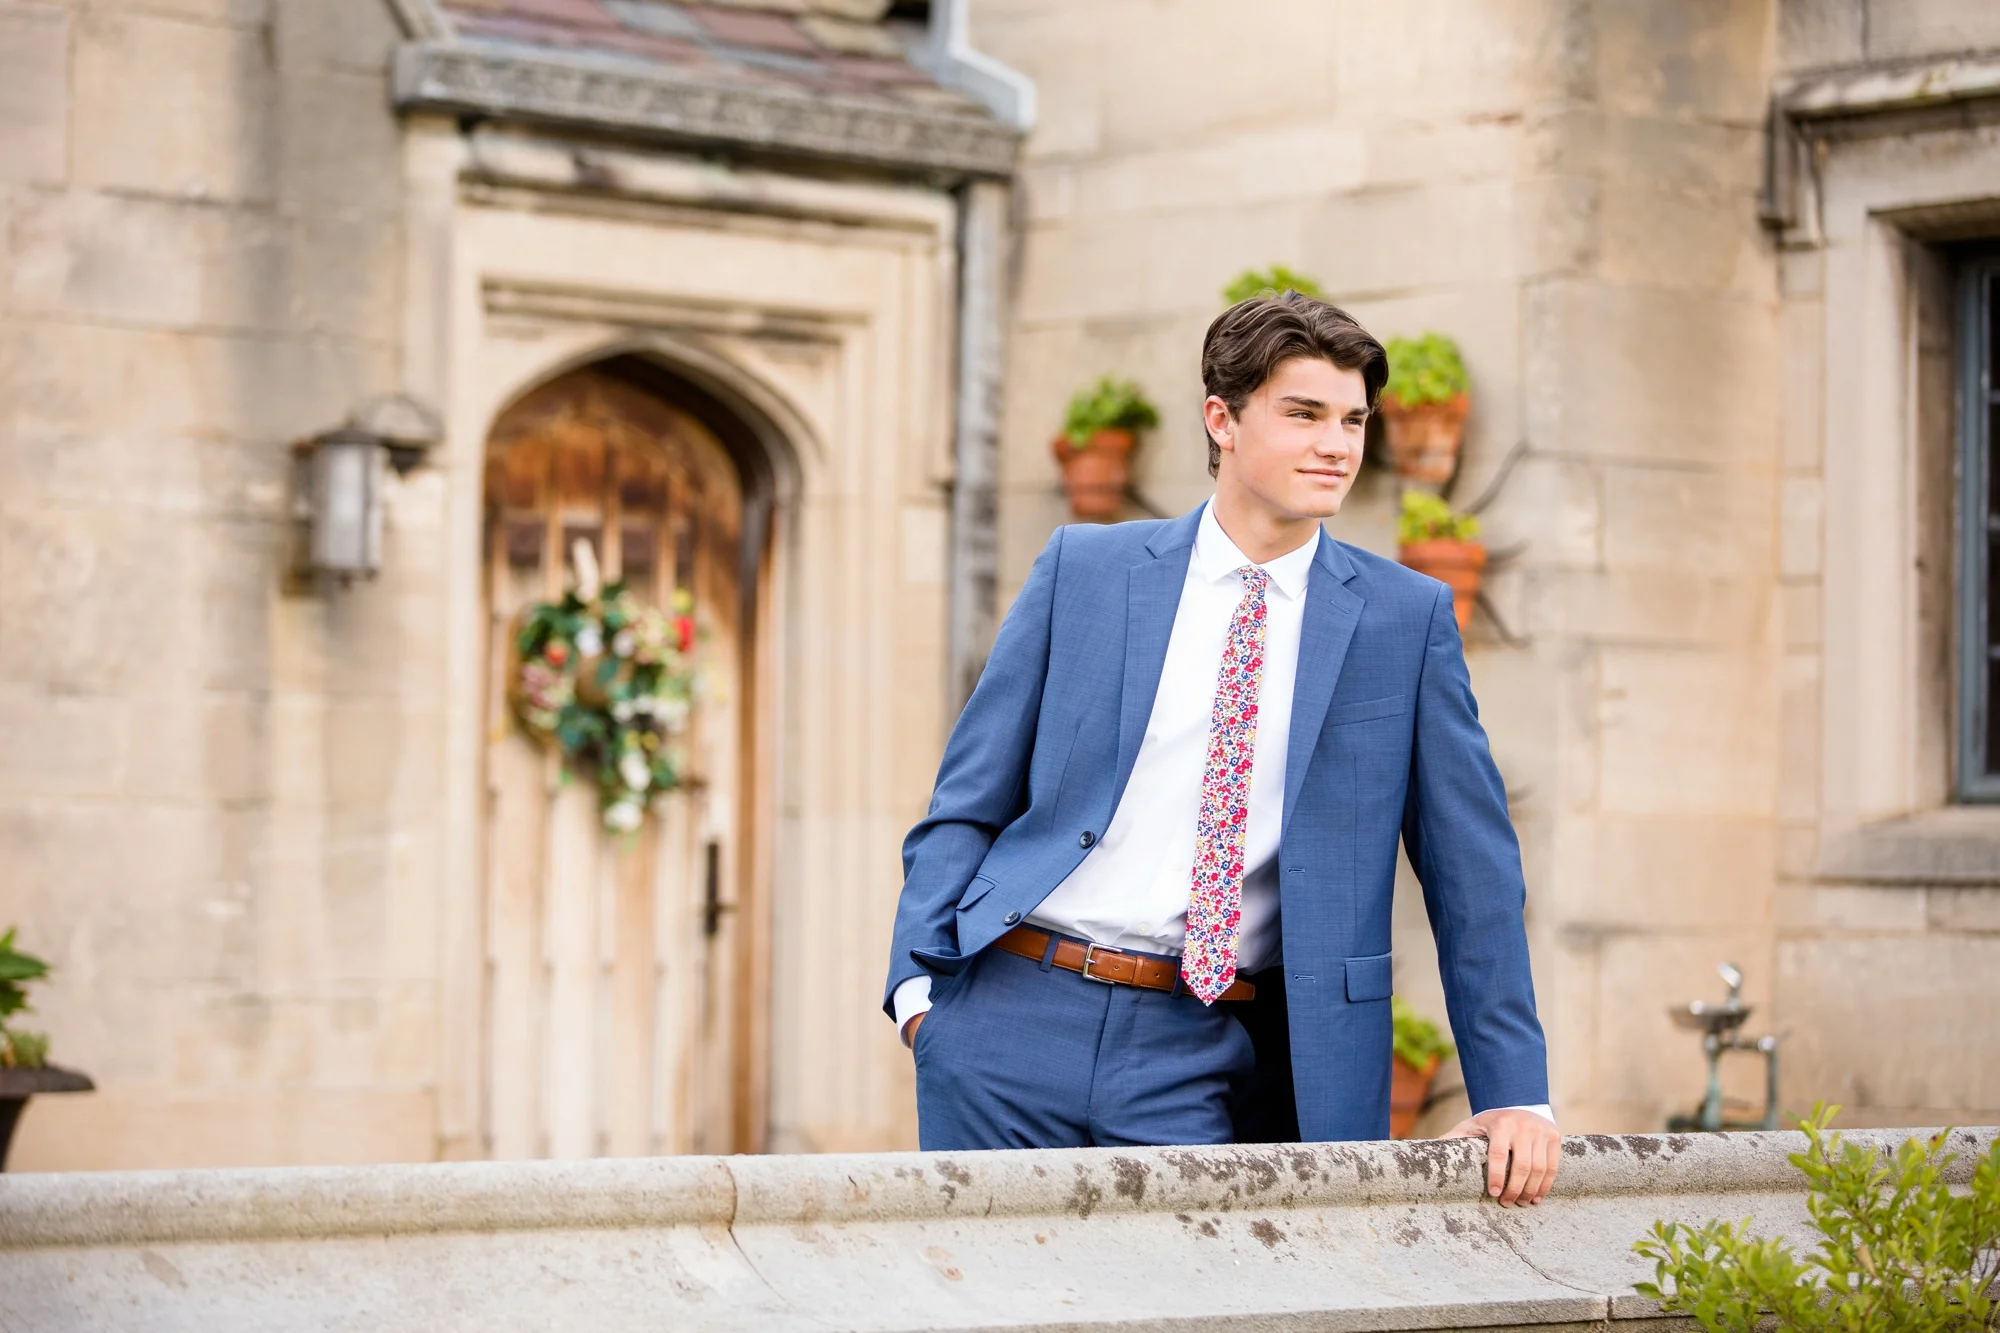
x: 1094, y: 475
x: 1424, y: 438
x: 1457, y: 563
x: 1408, y: 1087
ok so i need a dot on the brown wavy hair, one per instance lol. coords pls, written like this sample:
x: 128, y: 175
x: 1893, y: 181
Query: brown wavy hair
x: 1251, y: 339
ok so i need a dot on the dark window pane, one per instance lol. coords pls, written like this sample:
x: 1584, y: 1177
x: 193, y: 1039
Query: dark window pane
x: 1992, y: 473
x: 1979, y: 686
x: 1992, y: 323
x: 1992, y: 571
x: 1989, y: 722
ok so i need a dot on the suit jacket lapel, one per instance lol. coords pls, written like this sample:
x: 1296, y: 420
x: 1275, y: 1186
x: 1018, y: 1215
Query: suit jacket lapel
x: 1153, y: 596
x: 1332, y: 611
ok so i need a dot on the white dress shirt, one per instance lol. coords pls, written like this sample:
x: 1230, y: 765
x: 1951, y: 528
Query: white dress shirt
x: 1131, y: 890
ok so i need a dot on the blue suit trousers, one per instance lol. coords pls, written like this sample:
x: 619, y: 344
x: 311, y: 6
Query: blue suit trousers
x: 1015, y: 1054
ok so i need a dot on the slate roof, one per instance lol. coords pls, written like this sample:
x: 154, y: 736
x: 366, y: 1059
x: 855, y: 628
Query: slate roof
x: 793, y: 47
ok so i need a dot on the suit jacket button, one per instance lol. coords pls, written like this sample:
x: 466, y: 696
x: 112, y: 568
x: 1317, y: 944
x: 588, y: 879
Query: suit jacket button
x: 1086, y: 840
x: 1010, y: 918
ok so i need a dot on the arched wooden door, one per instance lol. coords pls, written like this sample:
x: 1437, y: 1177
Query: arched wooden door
x: 612, y: 968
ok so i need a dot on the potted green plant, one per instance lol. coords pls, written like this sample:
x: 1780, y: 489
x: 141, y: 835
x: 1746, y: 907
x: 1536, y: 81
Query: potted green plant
x: 1419, y: 1046
x: 1274, y: 281
x: 24, y: 1066
x: 1423, y: 407
x: 1437, y: 540
x: 1095, y: 446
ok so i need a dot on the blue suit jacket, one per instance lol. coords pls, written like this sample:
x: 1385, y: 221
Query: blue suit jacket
x: 1385, y: 742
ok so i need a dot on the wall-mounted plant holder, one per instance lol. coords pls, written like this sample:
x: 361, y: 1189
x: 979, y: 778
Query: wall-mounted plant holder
x: 1492, y: 558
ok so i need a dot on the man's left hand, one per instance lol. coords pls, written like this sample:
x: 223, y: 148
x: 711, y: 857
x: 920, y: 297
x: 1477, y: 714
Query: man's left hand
x: 1523, y: 1151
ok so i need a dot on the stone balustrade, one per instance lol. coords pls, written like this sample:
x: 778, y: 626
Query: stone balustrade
x: 1322, y: 1237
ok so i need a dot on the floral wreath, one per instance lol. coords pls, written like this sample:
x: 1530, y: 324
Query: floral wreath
x: 609, y: 681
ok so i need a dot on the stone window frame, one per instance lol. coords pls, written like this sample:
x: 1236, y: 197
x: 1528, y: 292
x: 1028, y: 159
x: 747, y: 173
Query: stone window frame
x: 1875, y: 175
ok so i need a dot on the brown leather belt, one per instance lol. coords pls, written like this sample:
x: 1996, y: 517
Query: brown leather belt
x: 1113, y: 967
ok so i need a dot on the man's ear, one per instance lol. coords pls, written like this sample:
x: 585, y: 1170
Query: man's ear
x: 1221, y: 426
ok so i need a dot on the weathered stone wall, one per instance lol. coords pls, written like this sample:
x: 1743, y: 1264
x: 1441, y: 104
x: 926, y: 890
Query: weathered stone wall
x: 1649, y: 589
x: 1330, y: 1237
x: 1570, y: 190
x: 217, y: 799
x: 1887, y: 913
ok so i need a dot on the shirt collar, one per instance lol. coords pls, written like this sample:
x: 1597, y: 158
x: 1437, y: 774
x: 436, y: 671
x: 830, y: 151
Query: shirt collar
x: 1217, y: 558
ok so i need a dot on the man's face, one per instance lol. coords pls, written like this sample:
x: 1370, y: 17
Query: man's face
x: 1296, y: 445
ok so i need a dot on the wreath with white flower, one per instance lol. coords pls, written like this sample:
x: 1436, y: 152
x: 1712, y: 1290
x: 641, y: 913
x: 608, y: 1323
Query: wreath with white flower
x: 609, y: 681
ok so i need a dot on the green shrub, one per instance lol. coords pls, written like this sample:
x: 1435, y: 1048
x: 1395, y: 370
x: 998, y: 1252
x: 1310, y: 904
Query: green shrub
x: 1424, y: 370
x: 1427, y: 518
x: 1415, y: 1038
x: 25, y: 1050
x: 1900, y: 1250
x: 1274, y: 281
x: 1109, y: 404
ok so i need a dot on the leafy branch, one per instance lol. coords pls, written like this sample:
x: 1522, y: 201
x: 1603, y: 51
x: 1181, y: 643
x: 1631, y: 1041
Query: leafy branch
x: 1900, y: 1248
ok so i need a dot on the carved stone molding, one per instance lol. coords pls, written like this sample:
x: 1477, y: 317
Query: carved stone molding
x: 608, y: 94
x: 652, y: 311
x: 1822, y: 109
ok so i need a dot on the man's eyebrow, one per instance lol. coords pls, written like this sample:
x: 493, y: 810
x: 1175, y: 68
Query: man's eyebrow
x: 1319, y: 405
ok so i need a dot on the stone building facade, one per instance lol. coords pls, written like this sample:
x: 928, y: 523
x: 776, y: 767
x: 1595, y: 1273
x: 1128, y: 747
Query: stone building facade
x: 1719, y: 432
x: 311, y: 900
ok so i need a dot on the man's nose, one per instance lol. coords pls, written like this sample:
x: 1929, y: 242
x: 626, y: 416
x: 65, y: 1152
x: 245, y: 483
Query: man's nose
x: 1334, y: 446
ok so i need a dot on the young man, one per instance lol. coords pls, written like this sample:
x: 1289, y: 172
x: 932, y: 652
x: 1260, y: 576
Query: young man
x: 1151, y: 901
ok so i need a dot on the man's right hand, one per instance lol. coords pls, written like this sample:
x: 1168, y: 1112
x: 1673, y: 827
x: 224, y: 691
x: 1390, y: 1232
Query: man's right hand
x: 910, y: 1030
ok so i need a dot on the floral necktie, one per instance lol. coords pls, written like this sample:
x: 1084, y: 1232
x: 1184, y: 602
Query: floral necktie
x: 1215, y: 904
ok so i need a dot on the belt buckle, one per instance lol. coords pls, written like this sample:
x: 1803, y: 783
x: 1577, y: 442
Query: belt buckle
x: 1090, y: 952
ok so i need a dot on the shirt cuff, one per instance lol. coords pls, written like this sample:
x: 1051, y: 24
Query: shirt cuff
x: 1543, y: 1110
x: 913, y: 997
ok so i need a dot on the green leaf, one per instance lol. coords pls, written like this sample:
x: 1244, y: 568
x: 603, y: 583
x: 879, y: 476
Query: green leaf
x: 22, y: 967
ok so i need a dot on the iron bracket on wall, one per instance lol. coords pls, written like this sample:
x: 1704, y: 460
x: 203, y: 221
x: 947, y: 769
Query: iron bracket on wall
x: 1496, y: 558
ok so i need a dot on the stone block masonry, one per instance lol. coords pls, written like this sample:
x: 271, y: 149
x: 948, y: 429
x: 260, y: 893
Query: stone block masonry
x: 1324, y: 1237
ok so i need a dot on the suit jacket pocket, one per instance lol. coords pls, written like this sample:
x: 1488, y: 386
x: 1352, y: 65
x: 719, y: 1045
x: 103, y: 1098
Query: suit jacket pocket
x: 974, y: 891
x: 1370, y: 978
x: 1367, y: 710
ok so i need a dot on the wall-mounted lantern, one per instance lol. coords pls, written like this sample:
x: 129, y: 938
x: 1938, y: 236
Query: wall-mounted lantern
x: 344, y: 496
x: 342, y: 478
